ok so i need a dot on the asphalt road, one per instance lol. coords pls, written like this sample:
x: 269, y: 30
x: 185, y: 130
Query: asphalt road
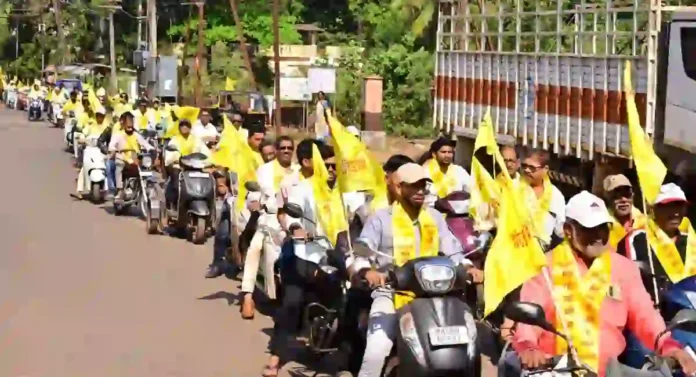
x: 86, y: 293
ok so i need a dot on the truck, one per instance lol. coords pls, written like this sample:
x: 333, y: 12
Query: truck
x: 551, y: 75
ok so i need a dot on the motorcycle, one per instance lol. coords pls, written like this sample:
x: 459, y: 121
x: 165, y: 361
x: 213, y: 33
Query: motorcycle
x: 35, y: 109
x: 191, y: 209
x: 56, y: 115
x: 436, y: 333
x: 94, y: 169
x: 141, y: 188
x: 673, y: 298
x: 567, y: 365
x: 12, y: 98
x: 325, y: 313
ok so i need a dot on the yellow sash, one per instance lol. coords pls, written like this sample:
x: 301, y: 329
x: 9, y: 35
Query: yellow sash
x: 279, y: 173
x: 579, y: 300
x: 667, y: 253
x: 330, y: 211
x: 141, y: 123
x: 131, y: 144
x: 97, y: 129
x: 444, y: 182
x: 186, y: 145
x: 618, y: 232
x: 539, y: 206
x: 405, y: 241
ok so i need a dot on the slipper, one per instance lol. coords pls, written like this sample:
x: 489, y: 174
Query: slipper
x: 269, y: 371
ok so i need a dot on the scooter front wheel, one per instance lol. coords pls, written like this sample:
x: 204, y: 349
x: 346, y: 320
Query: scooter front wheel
x: 198, y: 233
x: 96, y: 193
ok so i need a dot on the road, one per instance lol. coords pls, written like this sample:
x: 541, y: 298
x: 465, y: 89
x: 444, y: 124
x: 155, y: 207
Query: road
x: 85, y: 293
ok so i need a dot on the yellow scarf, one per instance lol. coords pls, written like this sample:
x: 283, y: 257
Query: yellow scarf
x: 330, y: 212
x: 618, y: 232
x: 667, y: 253
x: 579, y: 300
x: 405, y: 241
x: 279, y: 173
x: 444, y: 182
x: 142, y: 119
x: 186, y: 145
x: 97, y: 129
x: 540, y: 207
x: 131, y: 144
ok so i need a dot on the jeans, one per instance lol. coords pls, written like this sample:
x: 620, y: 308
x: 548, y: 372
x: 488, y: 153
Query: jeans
x: 222, y: 240
x: 111, y: 174
x: 381, y: 333
x: 509, y: 365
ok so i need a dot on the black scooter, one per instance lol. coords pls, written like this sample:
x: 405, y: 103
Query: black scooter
x: 190, y: 205
x: 437, y: 333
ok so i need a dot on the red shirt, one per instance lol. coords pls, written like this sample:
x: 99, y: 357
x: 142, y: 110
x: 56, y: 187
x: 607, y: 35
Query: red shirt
x: 631, y: 308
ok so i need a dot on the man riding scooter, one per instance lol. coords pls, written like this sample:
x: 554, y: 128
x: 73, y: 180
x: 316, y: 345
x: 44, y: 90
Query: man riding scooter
x: 124, y: 147
x: 180, y: 145
x: 93, y: 130
x: 407, y: 229
x: 596, y: 294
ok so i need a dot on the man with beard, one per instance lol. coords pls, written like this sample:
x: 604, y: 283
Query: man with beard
x: 406, y: 228
x: 446, y: 176
x: 618, y: 194
x: 596, y: 293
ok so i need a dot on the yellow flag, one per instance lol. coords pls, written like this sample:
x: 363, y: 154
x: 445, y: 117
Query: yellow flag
x: 485, y: 189
x: 230, y: 84
x: 353, y: 160
x: 515, y: 255
x: 330, y: 212
x: 650, y: 169
x: 93, y: 100
x: 187, y: 112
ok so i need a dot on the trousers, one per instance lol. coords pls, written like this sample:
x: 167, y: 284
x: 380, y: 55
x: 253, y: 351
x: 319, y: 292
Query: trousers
x: 111, y: 174
x: 381, y: 333
x: 261, y: 246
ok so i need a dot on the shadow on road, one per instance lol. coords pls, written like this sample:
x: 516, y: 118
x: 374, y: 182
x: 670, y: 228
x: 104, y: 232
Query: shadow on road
x: 230, y: 297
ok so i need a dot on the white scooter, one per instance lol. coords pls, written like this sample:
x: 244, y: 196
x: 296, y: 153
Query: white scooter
x: 57, y: 114
x: 94, y: 169
x: 68, y: 132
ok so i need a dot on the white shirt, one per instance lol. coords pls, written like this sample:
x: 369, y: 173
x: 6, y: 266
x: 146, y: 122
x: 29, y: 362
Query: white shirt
x: 266, y: 177
x: 302, y: 194
x: 462, y: 182
x: 204, y: 132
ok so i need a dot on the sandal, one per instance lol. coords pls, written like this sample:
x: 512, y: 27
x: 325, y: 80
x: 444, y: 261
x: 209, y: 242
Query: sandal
x: 270, y: 371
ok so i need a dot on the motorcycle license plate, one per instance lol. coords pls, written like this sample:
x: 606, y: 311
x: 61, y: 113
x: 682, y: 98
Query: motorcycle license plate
x: 197, y: 174
x: 448, y: 336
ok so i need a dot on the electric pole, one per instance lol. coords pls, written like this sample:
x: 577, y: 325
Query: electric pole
x: 59, y: 31
x: 140, y: 23
x: 242, y: 42
x: 199, y: 53
x: 276, y: 64
x: 152, y: 28
x: 113, y: 82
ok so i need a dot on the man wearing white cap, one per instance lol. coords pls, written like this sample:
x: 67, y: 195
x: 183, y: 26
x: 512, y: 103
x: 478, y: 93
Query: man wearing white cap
x: 582, y: 271
x: 404, y: 228
x: 669, y: 210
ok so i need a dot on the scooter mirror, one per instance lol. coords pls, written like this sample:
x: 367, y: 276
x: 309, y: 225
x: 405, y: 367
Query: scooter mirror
x: 252, y: 186
x: 293, y: 210
x: 529, y: 313
x: 684, y: 319
x: 364, y: 247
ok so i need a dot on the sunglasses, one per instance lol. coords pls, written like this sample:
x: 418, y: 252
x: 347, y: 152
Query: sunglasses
x: 532, y: 168
x: 285, y: 148
x: 330, y: 166
x: 621, y: 193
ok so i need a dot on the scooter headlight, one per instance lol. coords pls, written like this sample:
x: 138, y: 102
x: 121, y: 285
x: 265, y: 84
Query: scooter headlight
x: 436, y: 279
x: 146, y: 162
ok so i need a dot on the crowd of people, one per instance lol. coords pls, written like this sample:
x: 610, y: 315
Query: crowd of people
x: 597, y: 247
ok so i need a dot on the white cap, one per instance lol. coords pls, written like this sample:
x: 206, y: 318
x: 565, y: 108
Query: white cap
x: 588, y: 210
x: 101, y: 110
x: 353, y: 131
x: 670, y: 193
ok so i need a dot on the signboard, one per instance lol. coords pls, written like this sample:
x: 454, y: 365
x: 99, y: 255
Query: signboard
x: 322, y: 80
x: 295, y: 89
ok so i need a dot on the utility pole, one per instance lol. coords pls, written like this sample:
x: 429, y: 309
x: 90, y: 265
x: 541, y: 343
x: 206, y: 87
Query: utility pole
x: 199, y: 53
x: 113, y: 82
x: 140, y: 23
x: 59, y: 28
x: 152, y: 27
x: 276, y: 64
x: 242, y: 42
